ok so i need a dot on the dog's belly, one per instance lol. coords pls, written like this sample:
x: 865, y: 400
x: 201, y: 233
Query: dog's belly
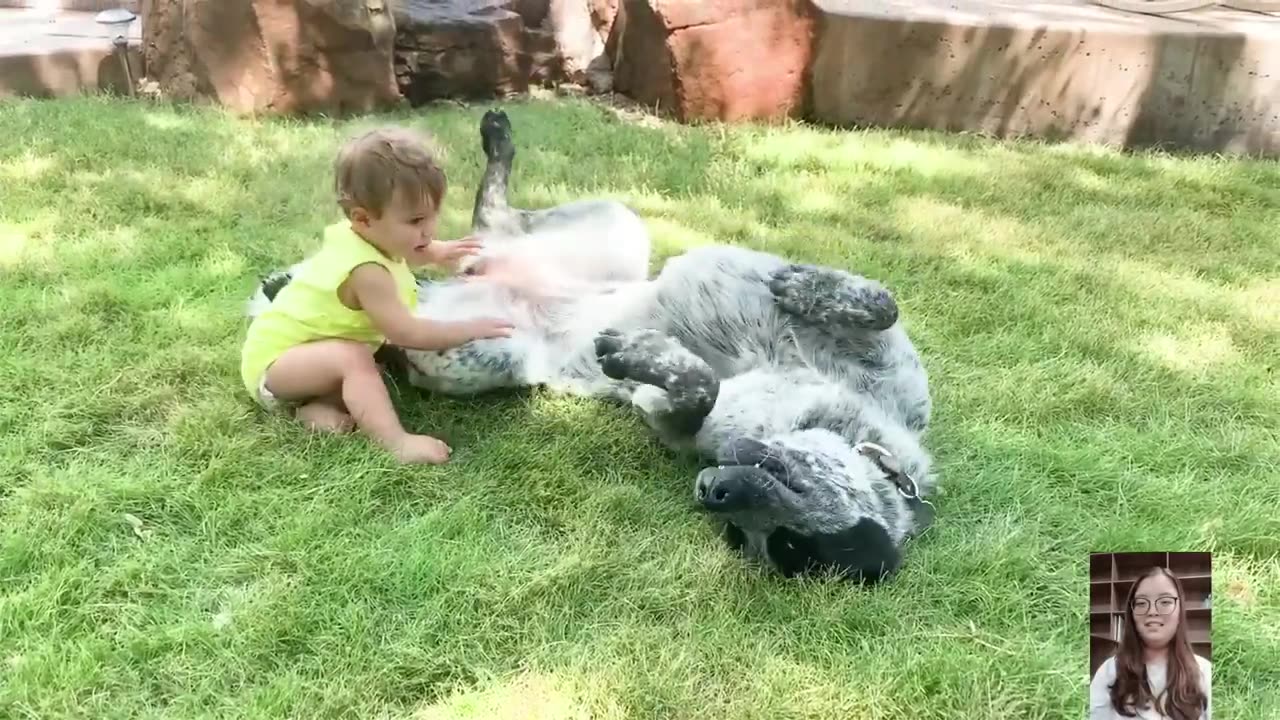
x: 552, y: 336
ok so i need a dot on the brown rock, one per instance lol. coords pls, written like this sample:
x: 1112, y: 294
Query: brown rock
x: 715, y: 59
x: 581, y: 28
x: 278, y: 56
x: 603, y: 13
x: 1196, y: 81
x: 473, y: 48
x: 533, y: 12
x: 83, y: 5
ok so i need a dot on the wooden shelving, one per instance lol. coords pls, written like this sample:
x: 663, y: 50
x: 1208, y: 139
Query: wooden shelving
x: 1111, y: 576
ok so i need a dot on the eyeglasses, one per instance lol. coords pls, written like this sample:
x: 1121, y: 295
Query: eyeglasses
x: 1164, y: 605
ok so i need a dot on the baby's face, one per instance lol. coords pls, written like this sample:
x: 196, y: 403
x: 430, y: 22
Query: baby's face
x: 404, y: 230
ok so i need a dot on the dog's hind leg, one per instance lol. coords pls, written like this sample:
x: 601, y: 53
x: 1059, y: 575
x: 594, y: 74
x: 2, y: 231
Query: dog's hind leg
x: 846, y: 327
x: 492, y: 213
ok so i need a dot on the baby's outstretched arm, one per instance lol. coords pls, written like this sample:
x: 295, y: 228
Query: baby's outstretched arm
x: 375, y: 292
x: 534, y: 278
x: 447, y: 254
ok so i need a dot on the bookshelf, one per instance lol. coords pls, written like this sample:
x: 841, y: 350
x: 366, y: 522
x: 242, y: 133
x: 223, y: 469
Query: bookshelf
x: 1111, y: 576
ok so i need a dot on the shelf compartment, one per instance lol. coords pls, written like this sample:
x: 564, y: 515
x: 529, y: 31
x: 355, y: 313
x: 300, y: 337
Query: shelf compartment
x: 1100, y: 567
x: 1196, y: 589
x: 1129, y: 567
x: 1100, y: 625
x: 1100, y: 598
x: 1190, y: 563
x: 1198, y: 636
x: 1121, y: 591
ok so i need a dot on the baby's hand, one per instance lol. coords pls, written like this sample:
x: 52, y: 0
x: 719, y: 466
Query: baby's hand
x: 512, y: 272
x: 448, y: 253
x: 482, y: 328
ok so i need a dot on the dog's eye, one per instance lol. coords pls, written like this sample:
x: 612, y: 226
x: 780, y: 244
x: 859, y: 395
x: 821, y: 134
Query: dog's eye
x: 774, y: 465
x: 780, y: 472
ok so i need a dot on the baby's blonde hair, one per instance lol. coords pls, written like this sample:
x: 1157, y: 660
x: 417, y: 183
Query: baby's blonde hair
x: 371, y: 167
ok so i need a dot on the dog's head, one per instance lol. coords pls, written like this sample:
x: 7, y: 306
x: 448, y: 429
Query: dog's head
x: 806, y: 503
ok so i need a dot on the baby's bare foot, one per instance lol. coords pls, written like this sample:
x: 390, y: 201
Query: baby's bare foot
x: 421, y: 449
x: 323, y: 417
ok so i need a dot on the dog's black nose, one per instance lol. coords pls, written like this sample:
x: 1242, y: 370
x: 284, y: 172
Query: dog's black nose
x: 725, y: 489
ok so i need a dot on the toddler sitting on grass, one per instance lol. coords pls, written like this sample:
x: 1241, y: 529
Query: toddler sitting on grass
x: 311, y: 351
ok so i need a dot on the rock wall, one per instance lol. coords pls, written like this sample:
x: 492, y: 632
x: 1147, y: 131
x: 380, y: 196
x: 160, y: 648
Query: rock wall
x: 277, y: 56
x: 493, y: 48
x: 715, y: 59
x: 343, y: 55
x: 1200, y: 81
x: 287, y: 56
x: 84, y: 5
x: 472, y: 49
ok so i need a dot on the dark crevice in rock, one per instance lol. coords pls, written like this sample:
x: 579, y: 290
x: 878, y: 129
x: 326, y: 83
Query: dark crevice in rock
x: 495, y: 48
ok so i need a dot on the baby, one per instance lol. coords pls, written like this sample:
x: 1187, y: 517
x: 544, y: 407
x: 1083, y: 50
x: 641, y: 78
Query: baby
x: 311, y: 351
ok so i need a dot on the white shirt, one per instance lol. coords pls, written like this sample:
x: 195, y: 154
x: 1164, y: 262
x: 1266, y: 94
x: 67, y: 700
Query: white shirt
x: 1100, y: 690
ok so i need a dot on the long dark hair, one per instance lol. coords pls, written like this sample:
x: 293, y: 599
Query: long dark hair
x: 1183, y: 699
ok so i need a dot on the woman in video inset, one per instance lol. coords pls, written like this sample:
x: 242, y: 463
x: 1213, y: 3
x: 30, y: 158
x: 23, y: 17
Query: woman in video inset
x: 1153, y: 675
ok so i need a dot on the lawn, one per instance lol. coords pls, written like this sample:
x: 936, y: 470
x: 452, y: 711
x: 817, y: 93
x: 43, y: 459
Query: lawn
x: 1102, y: 333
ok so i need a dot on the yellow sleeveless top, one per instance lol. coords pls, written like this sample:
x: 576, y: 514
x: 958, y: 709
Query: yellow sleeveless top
x: 308, y: 307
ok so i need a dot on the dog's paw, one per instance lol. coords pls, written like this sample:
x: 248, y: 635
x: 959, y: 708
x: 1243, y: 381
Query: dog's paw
x: 830, y: 298
x: 495, y: 135
x: 648, y: 356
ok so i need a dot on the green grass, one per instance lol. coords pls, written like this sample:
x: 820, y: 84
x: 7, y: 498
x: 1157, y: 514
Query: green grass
x: 1102, y: 332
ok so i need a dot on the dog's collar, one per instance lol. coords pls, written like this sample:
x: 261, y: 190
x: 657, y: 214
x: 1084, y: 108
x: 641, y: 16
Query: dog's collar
x: 889, y: 464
